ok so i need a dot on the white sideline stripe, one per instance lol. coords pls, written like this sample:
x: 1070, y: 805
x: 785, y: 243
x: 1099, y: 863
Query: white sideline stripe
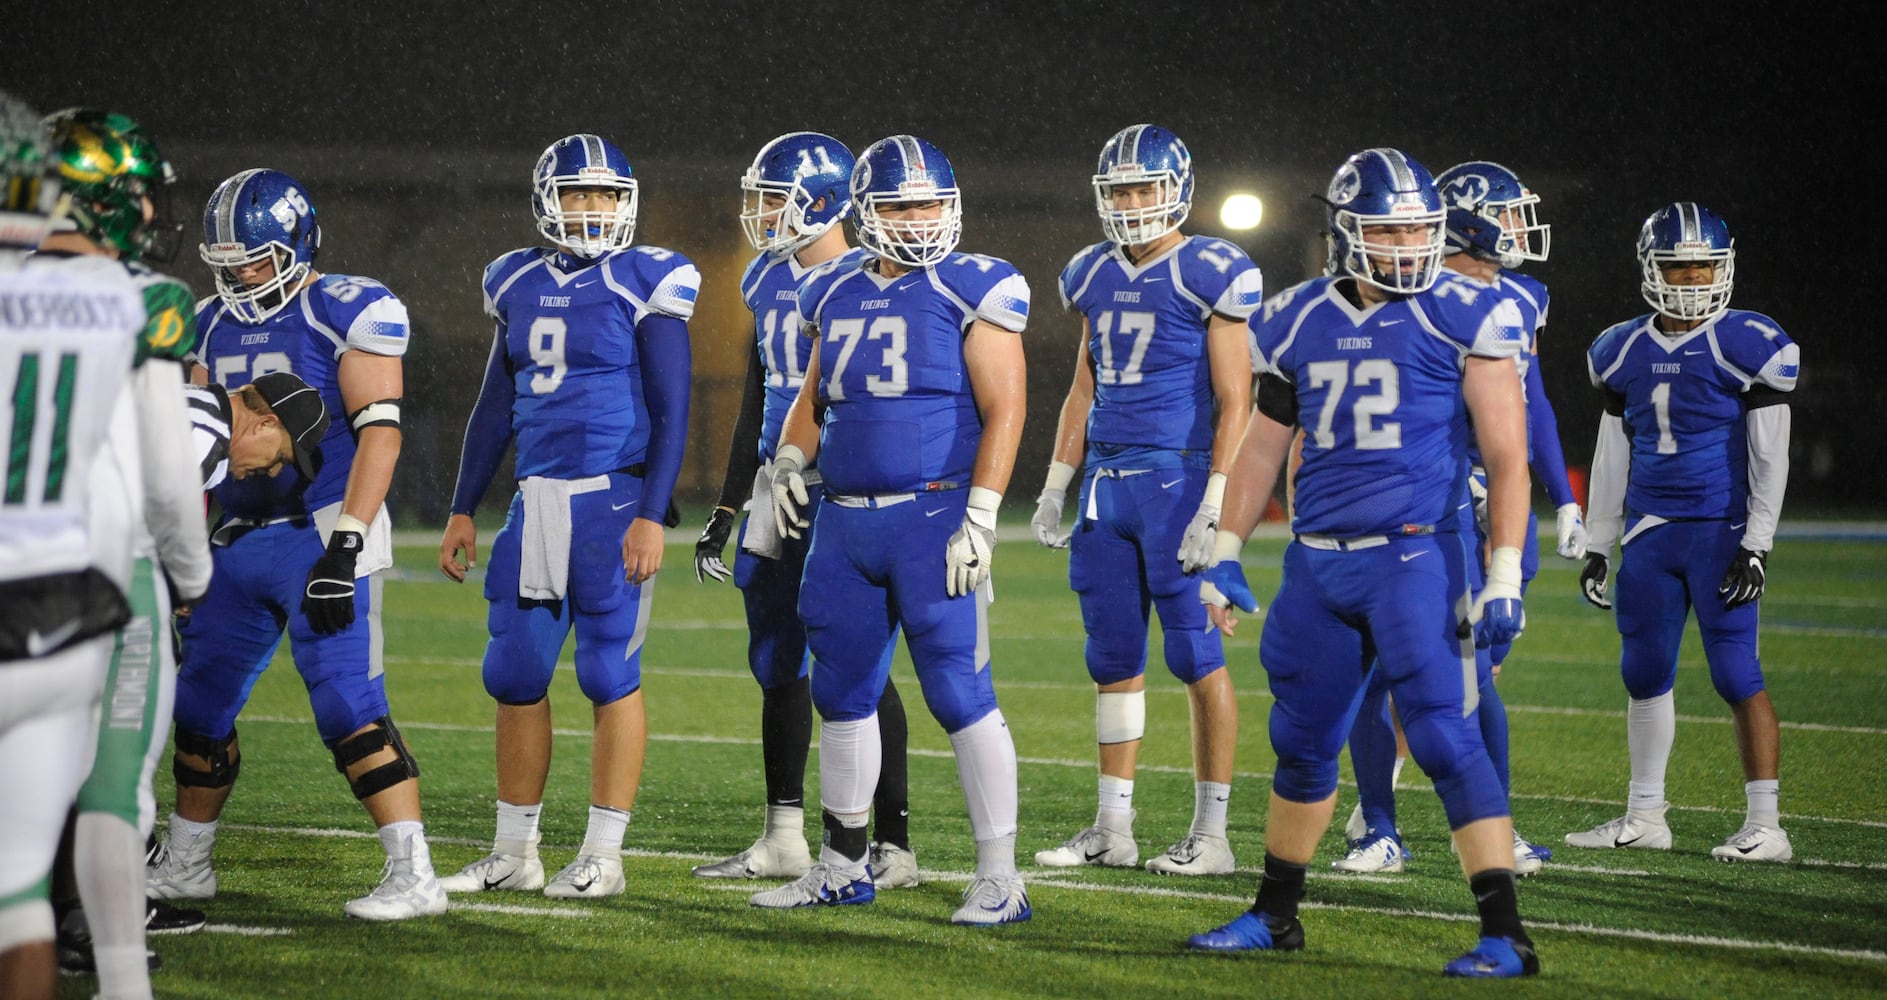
x: 1740, y: 944
x: 247, y: 931
x: 1600, y: 713
x: 1058, y: 880
x: 1403, y: 785
x: 1598, y: 870
x: 523, y: 911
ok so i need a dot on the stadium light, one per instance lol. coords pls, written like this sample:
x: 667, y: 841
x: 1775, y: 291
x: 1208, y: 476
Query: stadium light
x: 1241, y: 211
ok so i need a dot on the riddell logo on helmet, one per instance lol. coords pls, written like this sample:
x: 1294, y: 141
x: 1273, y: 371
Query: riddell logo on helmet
x: 595, y: 172
x: 227, y: 248
x: 918, y: 185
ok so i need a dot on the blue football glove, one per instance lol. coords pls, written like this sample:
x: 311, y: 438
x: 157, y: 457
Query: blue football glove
x: 1223, y: 583
x: 1498, y: 615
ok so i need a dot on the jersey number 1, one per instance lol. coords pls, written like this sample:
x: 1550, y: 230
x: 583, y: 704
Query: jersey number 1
x: 25, y: 400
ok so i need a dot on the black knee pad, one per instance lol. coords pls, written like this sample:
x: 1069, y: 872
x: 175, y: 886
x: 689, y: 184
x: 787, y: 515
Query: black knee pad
x: 223, y: 769
x: 368, y: 742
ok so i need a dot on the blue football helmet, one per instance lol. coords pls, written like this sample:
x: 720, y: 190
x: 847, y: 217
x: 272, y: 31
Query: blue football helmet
x: 1491, y: 215
x: 1380, y: 188
x: 904, y: 168
x: 1143, y: 154
x: 812, y: 173
x: 254, y: 216
x: 1687, y: 231
x: 577, y: 162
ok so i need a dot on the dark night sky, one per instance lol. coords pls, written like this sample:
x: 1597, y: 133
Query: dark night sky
x: 1759, y: 110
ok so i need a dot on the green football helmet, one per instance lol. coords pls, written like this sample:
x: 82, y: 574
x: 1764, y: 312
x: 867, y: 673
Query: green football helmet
x: 109, y: 166
x: 28, y: 193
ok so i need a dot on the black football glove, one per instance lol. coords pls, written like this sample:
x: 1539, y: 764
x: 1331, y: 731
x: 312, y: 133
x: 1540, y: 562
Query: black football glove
x: 1744, y: 581
x: 713, y: 540
x: 1592, y: 580
x: 328, y: 601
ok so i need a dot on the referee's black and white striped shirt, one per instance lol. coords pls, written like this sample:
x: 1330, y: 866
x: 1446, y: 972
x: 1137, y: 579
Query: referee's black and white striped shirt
x: 209, y: 422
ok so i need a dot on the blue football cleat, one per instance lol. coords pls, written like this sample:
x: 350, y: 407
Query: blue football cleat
x: 1251, y: 932
x: 1495, y: 958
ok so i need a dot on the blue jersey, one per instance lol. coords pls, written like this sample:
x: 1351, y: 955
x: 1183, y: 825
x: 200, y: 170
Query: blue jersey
x: 1147, y: 339
x: 1684, y: 404
x: 770, y: 287
x: 331, y: 315
x: 1529, y: 297
x: 899, y: 413
x: 1378, y: 393
x: 577, y: 403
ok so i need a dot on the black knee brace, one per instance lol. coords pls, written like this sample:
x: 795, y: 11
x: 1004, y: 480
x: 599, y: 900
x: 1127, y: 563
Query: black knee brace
x: 368, y: 742
x: 223, y: 769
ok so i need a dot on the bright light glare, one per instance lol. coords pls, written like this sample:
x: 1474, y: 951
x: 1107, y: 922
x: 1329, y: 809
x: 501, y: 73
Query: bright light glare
x: 1241, y: 211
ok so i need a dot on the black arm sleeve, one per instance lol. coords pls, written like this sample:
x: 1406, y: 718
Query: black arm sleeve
x: 743, y: 448
x: 1277, y: 399
x: 1614, y: 403
x: 1758, y: 396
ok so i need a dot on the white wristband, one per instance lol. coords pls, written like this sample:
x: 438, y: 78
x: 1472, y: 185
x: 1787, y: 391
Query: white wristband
x: 1503, y: 567
x: 1060, y: 474
x: 790, y: 453
x: 1215, y: 490
x: 1226, y: 546
x: 348, y: 522
x: 982, y: 509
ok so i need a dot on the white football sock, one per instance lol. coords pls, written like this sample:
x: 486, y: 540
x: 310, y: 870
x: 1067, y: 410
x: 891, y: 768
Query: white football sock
x: 190, y: 837
x: 996, y: 857
x: 402, y: 839
x: 850, y: 754
x: 517, y: 828
x: 1650, y: 729
x: 986, y: 768
x: 108, y: 860
x: 785, y: 824
x: 1211, y: 800
x: 1117, y: 804
x: 1763, y: 796
x: 604, y: 835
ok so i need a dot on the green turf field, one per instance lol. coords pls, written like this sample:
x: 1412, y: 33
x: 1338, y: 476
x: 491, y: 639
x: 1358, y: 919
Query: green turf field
x: 294, y: 845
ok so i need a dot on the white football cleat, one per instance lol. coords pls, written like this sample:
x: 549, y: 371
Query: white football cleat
x: 497, y: 870
x: 407, y: 889
x: 1625, y: 831
x: 1528, y: 858
x: 1096, y: 845
x: 590, y: 876
x: 892, y: 867
x: 180, y: 875
x: 990, y: 901
x: 1755, y: 842
x: 822, y: 885
x: 1379, y: 855
x: 1198, y: 854
x: 765, y: 859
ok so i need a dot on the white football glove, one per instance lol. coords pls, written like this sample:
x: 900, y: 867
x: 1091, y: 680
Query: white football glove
x: 1477, y: 489
x: 968, y: 553
x: 1047, y: 519
x: 1196, y: 546
x: 789, y: 492
x: 1572, y: 532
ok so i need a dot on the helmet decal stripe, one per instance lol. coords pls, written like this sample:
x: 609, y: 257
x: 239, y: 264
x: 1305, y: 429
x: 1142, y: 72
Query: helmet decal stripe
x: 226, y: 211
x: 913, y: 155
x: 1130, y: 146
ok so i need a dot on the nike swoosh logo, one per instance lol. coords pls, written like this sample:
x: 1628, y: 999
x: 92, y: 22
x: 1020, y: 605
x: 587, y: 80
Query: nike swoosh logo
x: 1622, y: 842
x: 1389, y: 322
x: 1746, y: 850
x: 581, y: 284
x: 1168, y: 486
x: 40, y: 643
x: 1737, y: 525
x: 490, y: 885
x: 1689, y: 353
x: 619, y: 506
x: 1094, y: 856
x: 1149, y: 281
x: 1483, y: 897
x: 585, y: 887
x: 1413, y: 555
x: 934, y: 513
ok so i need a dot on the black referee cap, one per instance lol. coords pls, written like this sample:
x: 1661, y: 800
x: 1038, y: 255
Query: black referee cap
x: 298, y: 406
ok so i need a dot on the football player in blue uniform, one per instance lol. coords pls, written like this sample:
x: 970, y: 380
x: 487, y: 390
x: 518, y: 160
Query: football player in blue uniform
x: 294, y: 551
x: 795, y: 195
x: 589, y: 372
x: 1688, y: 476
x: 1382, y: 366
x: 1493, y: 227
x: 913, y: 406
x: 1161, y: 395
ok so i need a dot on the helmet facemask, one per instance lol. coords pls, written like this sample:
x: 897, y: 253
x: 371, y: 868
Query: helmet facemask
x: 1144, y: 223
x: 587, y: 233
x: 1395, y: 268
x: 1689, y: 302
x: 254, y: 303
x: 911, y: 242
x: 778, y: 229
